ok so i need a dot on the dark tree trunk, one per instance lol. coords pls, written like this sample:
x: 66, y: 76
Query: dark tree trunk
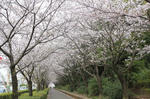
x: 99, y: 81
x: 14, y: 83
x: 30, y: 88
x: 45, y: 86
x: 124, y: 86
x: 125, y: 89
x: 84, y: 78
x: 38, y: 86
x: 42, y: 84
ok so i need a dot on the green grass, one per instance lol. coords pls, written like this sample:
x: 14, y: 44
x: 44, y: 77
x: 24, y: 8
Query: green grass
x: 96, y: 97
x: 9, y: 95
x: 36, y: 95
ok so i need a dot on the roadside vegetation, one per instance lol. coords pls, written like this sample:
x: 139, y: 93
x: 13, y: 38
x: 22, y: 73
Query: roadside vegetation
x: 9, y: 95
x: 25, y: 95
x: 36, y: 95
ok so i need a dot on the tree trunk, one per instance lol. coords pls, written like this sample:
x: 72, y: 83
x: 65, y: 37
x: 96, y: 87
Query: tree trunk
x: 84, y: 80
x: 42, y: 85
x: 38, y: 87
x: 86, y: 84
x: 99, y: 81
x: 125, y: 90
x: 46, y: 86
x: 124, y: 86
x: 14, y: 83
x: 30, y: 88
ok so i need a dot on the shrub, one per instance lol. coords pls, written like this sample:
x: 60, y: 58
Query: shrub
x: 36, y: 95
x: 93, y: 87
x: 66, y: 87
x: 6, y: 96
x: 9, y: 95
x: 24, y: 95
x: 112, y: 89
x: 82, y: 89
x: 143, y: 83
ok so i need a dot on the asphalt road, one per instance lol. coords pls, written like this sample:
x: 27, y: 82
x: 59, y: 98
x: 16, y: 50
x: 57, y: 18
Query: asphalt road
x: 54, y: 94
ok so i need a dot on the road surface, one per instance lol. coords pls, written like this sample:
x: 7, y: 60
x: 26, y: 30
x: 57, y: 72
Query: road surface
x: 54, y: 94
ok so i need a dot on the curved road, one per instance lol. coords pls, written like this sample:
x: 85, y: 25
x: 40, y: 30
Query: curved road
x: 54, y: 94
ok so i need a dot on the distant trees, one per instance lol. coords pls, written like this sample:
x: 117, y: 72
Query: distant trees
x: 73, y: 74
x: 28, y: 73
x: 87, y: 58
x: 31, y: 62
x: 40, y: 77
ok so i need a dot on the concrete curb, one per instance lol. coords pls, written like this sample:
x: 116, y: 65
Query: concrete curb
x: 76, y: 96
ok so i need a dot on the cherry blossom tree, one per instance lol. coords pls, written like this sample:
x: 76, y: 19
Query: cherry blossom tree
x: 23, y: 26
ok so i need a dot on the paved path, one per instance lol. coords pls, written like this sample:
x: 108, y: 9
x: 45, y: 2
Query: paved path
x: 54, y: 94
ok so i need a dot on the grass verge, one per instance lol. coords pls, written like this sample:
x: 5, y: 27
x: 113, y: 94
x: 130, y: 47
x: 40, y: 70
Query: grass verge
x: 36, y: 95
